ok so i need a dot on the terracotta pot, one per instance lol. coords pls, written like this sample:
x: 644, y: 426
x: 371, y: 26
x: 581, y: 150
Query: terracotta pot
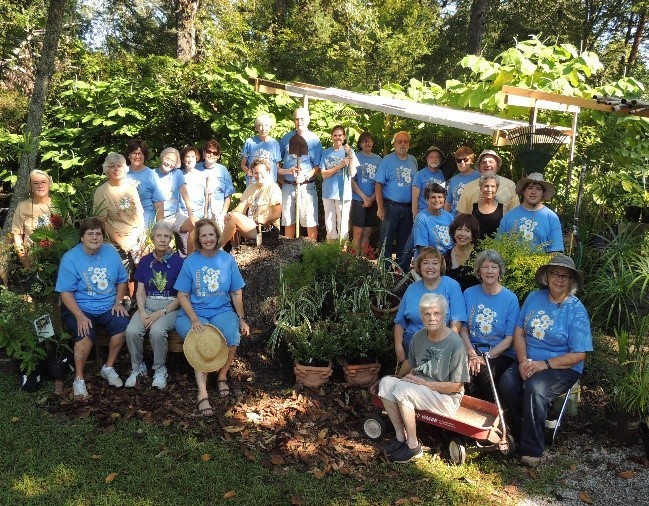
x: 361, y: 375
x: 623, y: 427
x: 311, y: 375
x: 388, y: 312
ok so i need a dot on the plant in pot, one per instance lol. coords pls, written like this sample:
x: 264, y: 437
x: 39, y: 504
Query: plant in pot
x: 364, y: 339
x: 384, y: 301
x: 314, y: 347
x: 57, y: 361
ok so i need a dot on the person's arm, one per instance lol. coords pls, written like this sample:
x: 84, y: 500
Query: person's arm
x: 83, y: 322
x: 415, y: 200
x: 501, y: 347
x: 398, y: 342
x: 188, y: 204
x: 327, y: 173
x: 475, y: 361
x: 159, y: 210
x: 443, y: 387
x: 244, y: 164
x: 378, y: 193
x: 237, y: 301
x: 226, y: 205
x: 118, y: 307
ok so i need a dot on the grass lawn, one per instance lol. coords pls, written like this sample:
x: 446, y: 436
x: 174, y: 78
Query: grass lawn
x: 51, y: 460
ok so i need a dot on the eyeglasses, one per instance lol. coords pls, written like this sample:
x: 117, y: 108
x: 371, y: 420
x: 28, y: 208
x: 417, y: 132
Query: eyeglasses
x: 462, y: 160
x: 91, y: 233
x: 559, y: 276
x: 210, y: 152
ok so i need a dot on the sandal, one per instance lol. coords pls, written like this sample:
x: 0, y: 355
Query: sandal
x: 224, y: 389
x: 208, y: 411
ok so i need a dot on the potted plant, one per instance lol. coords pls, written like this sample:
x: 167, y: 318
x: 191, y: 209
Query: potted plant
x: 57, y: 361
x: 364, y: 339
x: 314, y: 348
x: 384, y: 302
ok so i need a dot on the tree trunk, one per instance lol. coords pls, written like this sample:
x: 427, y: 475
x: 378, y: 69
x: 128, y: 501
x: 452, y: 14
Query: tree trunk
x: 633, y: 55
x: 186, y: 11
x: 477, y: 26
x: 34, y: 126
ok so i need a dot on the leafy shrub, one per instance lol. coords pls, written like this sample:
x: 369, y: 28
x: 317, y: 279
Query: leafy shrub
x: 314, y: 343
x: 363, y: 336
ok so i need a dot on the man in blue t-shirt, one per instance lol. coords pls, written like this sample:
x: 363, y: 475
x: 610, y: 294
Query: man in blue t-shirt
x: 532, y: 220
x: 393, y: 185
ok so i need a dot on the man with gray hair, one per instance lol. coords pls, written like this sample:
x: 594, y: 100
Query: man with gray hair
x: 393, y: 185
x: 489, y: 161
x: 261, y: 145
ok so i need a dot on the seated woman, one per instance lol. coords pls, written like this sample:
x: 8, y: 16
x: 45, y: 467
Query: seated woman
x: 92, y: 284
x: 171, y: 181
x: 210, y: 290
x: 488, y: 211
x: 551, y: 338
x: 491, y: 311
x: 432, y: 379
x: 261, y: 203
x: 117, y: 204
x: 464, y: 232
x: 31, y: 214
x: 431, y: 267
x: 431, y: 225
x: 157, y: 306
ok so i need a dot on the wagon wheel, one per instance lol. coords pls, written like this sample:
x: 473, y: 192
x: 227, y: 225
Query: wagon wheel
x: 374, y: 427
x: 457, y: 451
x: 511, y: 446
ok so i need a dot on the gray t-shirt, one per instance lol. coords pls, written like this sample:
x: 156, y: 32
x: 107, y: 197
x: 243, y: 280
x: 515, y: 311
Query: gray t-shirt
x: 442, y: 361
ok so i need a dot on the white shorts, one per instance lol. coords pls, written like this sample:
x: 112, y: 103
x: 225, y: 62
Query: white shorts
x: 308, y: 205
x: 416, y: 396
x: 175, y: 221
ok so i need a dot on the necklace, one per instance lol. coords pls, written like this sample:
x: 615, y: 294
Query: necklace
x: 557, y: 301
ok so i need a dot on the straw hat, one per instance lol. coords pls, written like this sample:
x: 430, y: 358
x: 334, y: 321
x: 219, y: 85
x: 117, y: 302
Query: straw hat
x: 559, y: 261
x: 490, y: 152
x: 207, y: 351
x: 536, y: 177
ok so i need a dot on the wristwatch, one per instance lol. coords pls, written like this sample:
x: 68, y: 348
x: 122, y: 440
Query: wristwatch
x: 547, y: 363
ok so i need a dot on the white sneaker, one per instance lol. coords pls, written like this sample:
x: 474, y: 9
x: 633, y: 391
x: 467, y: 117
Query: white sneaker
x: 110, y: 375
x: 79, y: 388
x: 132, y: 379
x: 160, y: 378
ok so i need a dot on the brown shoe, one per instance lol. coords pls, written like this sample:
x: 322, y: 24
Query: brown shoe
x: 530, y: 461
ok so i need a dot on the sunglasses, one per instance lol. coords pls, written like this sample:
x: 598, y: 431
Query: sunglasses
x: 210, y: 152
x: 462, y: 160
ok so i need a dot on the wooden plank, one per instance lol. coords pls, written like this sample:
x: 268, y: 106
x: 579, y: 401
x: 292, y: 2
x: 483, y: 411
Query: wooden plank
x: 518, y: 101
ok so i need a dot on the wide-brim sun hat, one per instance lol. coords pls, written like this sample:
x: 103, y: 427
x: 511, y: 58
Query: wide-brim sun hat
x: 206, y: 351
x: 559, y: 261
x: 536, y: 177
x: 490, y: 152
x: 433, y: 148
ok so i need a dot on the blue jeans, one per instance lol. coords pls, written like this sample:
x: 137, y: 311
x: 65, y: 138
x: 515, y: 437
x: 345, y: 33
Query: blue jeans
x: 528, y: 403
x: 397, y: 223
x: 408, y: 253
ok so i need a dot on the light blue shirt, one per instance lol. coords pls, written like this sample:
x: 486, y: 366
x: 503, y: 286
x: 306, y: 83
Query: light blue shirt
x: 396, y: 176
x: 365, y: 174
x: 170, y: 183
x: 196, y: 181
x: 255, y: 148
x: 456, y: 186
x: 541, y: 227
x: 431, y: 230
x: 220, y: 183
x: 148, y: 190
x: 422, y: 178
x: 312, y: 142
x: 340, y: 183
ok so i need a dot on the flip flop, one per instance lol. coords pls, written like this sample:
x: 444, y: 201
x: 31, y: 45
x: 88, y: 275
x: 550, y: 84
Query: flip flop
x: 224, y: 389
x: 206, y: 412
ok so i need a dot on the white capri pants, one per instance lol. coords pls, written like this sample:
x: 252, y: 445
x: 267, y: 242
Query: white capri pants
x: 336, y: 223
x: 415, y: 396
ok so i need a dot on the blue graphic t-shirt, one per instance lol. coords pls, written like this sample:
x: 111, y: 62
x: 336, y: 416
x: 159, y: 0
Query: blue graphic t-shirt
x: 396, y: 176
x: 220, y: 182
x: 209, y: 281
x: 340, y: 182
x: 313, y: 143
x: 92, y: 279
x: 424, y: 177
x: 196, y: 181
x: 456, y: 187
x: 170, y: 183
x: 148, y: 190
x: 541, y: 227
x: 552, y: 330
x: 431, y: 230
x: 365, y: 174
x: 491, y: 318
x: 255, y: 148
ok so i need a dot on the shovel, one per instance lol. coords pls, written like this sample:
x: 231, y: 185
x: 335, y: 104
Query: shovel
x: 297, y: 146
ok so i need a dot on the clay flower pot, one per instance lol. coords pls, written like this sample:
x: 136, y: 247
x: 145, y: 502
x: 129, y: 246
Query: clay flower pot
x: 312, y: 375
x: 361, y: 375
x: 387, y: 312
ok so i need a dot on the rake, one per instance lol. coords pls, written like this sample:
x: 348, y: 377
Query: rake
x: 534, y: 147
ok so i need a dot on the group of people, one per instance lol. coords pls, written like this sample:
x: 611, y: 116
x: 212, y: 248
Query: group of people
x: 454, y: 312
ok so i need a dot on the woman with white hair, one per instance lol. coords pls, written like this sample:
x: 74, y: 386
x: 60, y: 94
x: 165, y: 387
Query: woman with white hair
x: 432, y: 378
x: 261, y: 145
x: 32, y: 213
x: 171, y: 181
x: 117, y: 204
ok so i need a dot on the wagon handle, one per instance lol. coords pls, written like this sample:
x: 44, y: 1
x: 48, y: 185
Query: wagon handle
x: 501, y: 416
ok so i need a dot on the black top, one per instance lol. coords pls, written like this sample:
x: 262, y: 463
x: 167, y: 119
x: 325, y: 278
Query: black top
x: 488, y: 222
x: 464, y: 273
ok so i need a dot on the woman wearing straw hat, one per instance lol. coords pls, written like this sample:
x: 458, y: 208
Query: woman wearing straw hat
x: 551, y: 338
x: 210, y: 291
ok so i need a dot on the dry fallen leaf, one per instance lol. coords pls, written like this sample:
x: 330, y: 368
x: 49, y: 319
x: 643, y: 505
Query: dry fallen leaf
x: 317, y: 474
x: 95, y: 457
x: 14, y: 419
x: 111, y: 477
x: 166, y: 423
x: 297, y: 501
x: 206, y: 457
x: 232, y: 429
x: 585, y: 497
x: 627, y: 475
x: 229, y: 495
x: 115, y: 415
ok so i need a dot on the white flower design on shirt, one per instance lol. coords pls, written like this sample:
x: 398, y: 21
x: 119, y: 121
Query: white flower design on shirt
x: 526, y: 228
x: 98, y: 277
x: 211, y: 278
x: 485, y: 319
x: 540, y: 324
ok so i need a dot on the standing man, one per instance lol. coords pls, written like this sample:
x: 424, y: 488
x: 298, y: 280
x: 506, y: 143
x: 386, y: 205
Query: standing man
x: 489, y: 162
x: 304, y: 181
x: 532, y: 220
x: 393, y: 185
x: 261, y: 145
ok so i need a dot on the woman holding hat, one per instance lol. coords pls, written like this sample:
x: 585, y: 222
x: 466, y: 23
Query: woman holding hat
x: 551, y: 338
x: 210, y: 291
x: 32, y: 213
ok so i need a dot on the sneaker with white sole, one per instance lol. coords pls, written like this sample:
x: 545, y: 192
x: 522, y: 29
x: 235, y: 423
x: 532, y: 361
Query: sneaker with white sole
x: 79, y: 388
x: 138, y: 371
x: 110, y: 375
x: 406, y: 454
x: 160, y: 378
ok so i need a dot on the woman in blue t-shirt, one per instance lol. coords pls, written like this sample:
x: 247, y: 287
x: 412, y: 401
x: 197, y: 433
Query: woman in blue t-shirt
x: 551, y: 338
x: 210, y: 290
x: 491, y: 312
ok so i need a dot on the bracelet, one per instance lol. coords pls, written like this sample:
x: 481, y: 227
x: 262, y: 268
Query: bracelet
x: 242, y: 317
x: 547, y: 363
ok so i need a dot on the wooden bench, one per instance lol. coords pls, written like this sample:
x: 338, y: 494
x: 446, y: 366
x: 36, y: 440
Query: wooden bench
x: 174, y: 342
